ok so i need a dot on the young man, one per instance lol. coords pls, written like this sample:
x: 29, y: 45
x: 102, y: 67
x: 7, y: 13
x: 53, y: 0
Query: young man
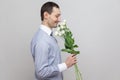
x: 44, y: 48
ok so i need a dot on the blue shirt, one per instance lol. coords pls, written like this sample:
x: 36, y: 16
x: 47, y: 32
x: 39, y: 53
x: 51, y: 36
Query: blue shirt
x: 46, y: 56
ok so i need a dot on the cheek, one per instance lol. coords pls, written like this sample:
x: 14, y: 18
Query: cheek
x: 54, y: 18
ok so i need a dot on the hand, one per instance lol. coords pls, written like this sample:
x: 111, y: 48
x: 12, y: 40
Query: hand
x: 71, y: 60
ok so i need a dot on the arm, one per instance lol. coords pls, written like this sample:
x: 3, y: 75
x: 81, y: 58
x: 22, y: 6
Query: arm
x: 43, y: 69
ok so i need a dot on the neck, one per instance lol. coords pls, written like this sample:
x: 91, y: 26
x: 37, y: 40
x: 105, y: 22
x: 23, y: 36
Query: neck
x: 46, y: 24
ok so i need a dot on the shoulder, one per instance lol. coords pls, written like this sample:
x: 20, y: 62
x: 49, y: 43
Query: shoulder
x: 41, y: 37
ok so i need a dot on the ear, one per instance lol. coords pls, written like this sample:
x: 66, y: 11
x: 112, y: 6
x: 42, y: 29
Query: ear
x: 46, y: 15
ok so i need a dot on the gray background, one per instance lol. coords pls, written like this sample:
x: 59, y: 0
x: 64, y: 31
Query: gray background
x: 94, y: 23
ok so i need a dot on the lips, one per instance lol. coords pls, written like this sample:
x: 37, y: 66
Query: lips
x: 56, y: 22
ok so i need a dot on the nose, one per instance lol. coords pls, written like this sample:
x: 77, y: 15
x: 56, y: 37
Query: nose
x: 59, y: 19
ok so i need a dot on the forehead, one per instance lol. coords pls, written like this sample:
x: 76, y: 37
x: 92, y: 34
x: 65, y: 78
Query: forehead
x: 56, y: 11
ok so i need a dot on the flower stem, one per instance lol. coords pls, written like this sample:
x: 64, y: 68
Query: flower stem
x: 77, y: 72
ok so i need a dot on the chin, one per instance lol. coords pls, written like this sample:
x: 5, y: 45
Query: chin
x: 55, y: 26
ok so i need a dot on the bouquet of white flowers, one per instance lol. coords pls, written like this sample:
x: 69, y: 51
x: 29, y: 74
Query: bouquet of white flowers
x: 64, y: 31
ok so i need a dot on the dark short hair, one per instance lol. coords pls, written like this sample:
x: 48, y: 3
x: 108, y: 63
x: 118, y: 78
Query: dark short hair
x: 47, y: 7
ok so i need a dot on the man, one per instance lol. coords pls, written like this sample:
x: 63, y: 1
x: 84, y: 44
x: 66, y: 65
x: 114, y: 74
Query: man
x: 44, y: 48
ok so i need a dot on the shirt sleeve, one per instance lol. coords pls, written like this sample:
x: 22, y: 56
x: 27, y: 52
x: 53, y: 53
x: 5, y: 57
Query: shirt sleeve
x: 62, y: 67
x: 42, y: 68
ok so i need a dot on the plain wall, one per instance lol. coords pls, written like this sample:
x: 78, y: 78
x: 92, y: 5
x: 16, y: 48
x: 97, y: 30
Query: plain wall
x: 95, y: 25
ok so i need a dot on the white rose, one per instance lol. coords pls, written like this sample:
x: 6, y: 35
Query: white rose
x: 58, y: 28
x: 64, y: 20
x: 62, y: 32
x: 63, y: 23
x: 62, y: 27
x: 56, y: 33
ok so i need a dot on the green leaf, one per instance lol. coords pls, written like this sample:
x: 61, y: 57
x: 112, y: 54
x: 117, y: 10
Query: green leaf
x: 71, y: 51
x: 67, y: 50
x: 67, y: 46
x: 68, y: 42
x: 77, y: 52
x: 75, y: 46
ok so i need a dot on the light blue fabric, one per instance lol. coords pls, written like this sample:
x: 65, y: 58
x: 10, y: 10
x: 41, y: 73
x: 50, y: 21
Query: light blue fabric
x: 46, y: 56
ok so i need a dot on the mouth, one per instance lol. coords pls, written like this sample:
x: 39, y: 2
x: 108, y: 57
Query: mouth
x: 56, y: 22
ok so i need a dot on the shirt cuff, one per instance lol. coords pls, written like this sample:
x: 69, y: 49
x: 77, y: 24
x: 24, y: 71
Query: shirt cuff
x: 62, y: 67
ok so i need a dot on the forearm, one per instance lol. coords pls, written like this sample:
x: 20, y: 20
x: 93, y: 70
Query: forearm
x: 47, y: 71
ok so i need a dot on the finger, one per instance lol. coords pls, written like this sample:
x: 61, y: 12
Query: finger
x: 73, y: 55
x: 74, y: 62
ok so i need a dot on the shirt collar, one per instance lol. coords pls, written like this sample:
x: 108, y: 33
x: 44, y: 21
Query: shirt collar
x: 46, y: 29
